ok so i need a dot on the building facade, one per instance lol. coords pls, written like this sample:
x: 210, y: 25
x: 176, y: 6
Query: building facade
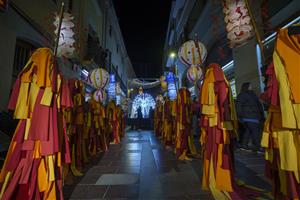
x: 117, y: 56
x: 204, y: 20
x: 27, y: 25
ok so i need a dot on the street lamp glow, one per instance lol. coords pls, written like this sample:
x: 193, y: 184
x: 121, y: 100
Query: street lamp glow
x: 172, y: 55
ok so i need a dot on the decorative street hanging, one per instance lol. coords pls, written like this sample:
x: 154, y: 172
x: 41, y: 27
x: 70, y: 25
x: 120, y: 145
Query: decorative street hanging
x: 39, y: 149
x: 239, y: 27
x: 159, y: 98
x: 163, y: 83
x: 66, y: 35
x: 145, y: 84
x: 118, y: 89
x: 99, y: 95
x: 144, y: 101
x: 194, y: 74
x: 112, y: 87
x: 99, y: 78
x: 192, y: 52
x: 170, y: 77
x: 172, y: 92
x: 125, y: 103
x: 141, y: 91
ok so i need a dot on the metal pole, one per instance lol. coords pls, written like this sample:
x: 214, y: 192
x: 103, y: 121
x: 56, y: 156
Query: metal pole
x: 61, y: 16
x: 258, y: 37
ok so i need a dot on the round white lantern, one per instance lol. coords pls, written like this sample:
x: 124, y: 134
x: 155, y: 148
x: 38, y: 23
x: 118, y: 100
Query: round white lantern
x: 194, y: 73
x: 192, y: 53
x: 99, y: 78
x: 99, y: 95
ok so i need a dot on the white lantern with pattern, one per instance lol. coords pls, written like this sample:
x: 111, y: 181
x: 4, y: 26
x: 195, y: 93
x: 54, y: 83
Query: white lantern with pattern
x: 118, y: 88
x: 192, y: 52
x: 66, y: 39
x: 99, y: 78
x: 238, y: 22
x: 160, y: 98
x: 194, y: 73
x: 99, y: 95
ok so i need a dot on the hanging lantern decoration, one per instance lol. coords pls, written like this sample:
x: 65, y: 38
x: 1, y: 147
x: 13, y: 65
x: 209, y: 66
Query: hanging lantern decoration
x: 192, y: 52
x: 112, y: 87
x: 170, y: 77
x: 160, y: 98
x: 163, y: 83
x: 118, y: 89
x: 194, y: 74
x: 99, y: 78
x: 125, y: 104
x: 66, y: 39
x: 141, y: 91
x: 239, y: 28
x: 99, y: 95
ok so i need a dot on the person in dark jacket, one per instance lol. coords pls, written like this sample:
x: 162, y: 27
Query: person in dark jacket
x: 250, y: 115
x: 139, y: 117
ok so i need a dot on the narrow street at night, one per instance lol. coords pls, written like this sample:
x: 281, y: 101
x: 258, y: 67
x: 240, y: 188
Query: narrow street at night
x: 149, y: 100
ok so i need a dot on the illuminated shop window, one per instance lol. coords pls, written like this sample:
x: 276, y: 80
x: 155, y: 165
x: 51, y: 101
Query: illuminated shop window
x: 145, y: 101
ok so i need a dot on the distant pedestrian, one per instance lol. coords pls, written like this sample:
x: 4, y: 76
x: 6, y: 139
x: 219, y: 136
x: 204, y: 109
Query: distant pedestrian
x: 196, y: 113
x: 139, y: 117
x: 151, y: 116
x: 251, y: 116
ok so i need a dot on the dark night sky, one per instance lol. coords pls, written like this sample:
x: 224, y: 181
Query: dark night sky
x: 144, y: 25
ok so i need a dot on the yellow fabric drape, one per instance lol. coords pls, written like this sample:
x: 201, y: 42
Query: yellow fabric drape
x: 288, y: 49
x: 281, y: 130
x: 290, y: 111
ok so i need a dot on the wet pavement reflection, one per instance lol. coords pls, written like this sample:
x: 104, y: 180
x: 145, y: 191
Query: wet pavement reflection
x: 140, y: 168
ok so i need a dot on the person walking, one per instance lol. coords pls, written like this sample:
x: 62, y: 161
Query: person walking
x: 139, y: 118
x: 251, y: 116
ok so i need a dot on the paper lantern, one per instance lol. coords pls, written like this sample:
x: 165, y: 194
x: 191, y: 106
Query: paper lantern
x: 163, y: 83
x: 125, y: 104
x: 238, y: 22
x: 66, y: 39
x: 99, y: 95
x: 118, y: 88
x: 194, y: 74
x: 160, y: 98
x: 99, y: 78
x: 192, y: 53
x: 141, y: 90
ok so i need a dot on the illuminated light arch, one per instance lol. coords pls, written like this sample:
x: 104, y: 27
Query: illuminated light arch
x: 146, y: 101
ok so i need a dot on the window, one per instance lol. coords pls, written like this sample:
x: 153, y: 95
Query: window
x: 23, y: 51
